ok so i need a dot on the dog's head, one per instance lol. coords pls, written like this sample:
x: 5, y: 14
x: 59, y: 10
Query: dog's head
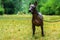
x: 32, y: 7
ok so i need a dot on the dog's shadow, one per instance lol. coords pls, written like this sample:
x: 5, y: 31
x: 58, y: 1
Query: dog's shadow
x: 37, y: 37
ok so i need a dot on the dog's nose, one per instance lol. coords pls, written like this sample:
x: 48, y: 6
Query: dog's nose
x: 29, y: 11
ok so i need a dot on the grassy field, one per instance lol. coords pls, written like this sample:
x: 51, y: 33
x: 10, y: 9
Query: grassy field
x: 18, y: 27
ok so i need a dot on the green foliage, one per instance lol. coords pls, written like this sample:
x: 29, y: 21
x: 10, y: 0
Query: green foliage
x: 11, y: 6
x: 48, y: 7
x: 1, y: 9
x: 51, y: 7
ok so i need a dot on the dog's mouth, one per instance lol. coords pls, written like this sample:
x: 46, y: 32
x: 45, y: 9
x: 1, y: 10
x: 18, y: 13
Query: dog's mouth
x: 29, y: 10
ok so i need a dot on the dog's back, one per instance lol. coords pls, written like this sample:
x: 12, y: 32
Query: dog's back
x: 40, y: 15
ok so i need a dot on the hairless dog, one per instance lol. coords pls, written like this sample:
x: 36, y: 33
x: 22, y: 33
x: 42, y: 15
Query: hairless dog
x: 37, y: 18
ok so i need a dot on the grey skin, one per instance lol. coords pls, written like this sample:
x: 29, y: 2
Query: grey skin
x: 37, y: 18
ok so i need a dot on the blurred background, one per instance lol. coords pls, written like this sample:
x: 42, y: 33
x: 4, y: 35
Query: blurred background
x: 47, y: 7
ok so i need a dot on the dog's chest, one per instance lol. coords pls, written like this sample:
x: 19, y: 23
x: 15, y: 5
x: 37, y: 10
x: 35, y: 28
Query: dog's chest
x: 36, y: 21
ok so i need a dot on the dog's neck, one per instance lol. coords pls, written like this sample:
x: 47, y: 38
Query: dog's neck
x: 35, y: 14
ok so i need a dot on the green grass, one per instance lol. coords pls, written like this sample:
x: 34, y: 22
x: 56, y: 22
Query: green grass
x: 18, y: 27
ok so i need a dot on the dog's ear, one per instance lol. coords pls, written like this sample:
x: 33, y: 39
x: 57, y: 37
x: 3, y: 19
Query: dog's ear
x: 35, y: 3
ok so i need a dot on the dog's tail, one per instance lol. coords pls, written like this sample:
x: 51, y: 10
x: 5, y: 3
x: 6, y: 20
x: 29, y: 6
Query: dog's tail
x: 52, y: 21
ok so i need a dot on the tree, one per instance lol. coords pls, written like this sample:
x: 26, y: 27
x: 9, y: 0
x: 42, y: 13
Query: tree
x: 11, y: 6
x: 1, y: 8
